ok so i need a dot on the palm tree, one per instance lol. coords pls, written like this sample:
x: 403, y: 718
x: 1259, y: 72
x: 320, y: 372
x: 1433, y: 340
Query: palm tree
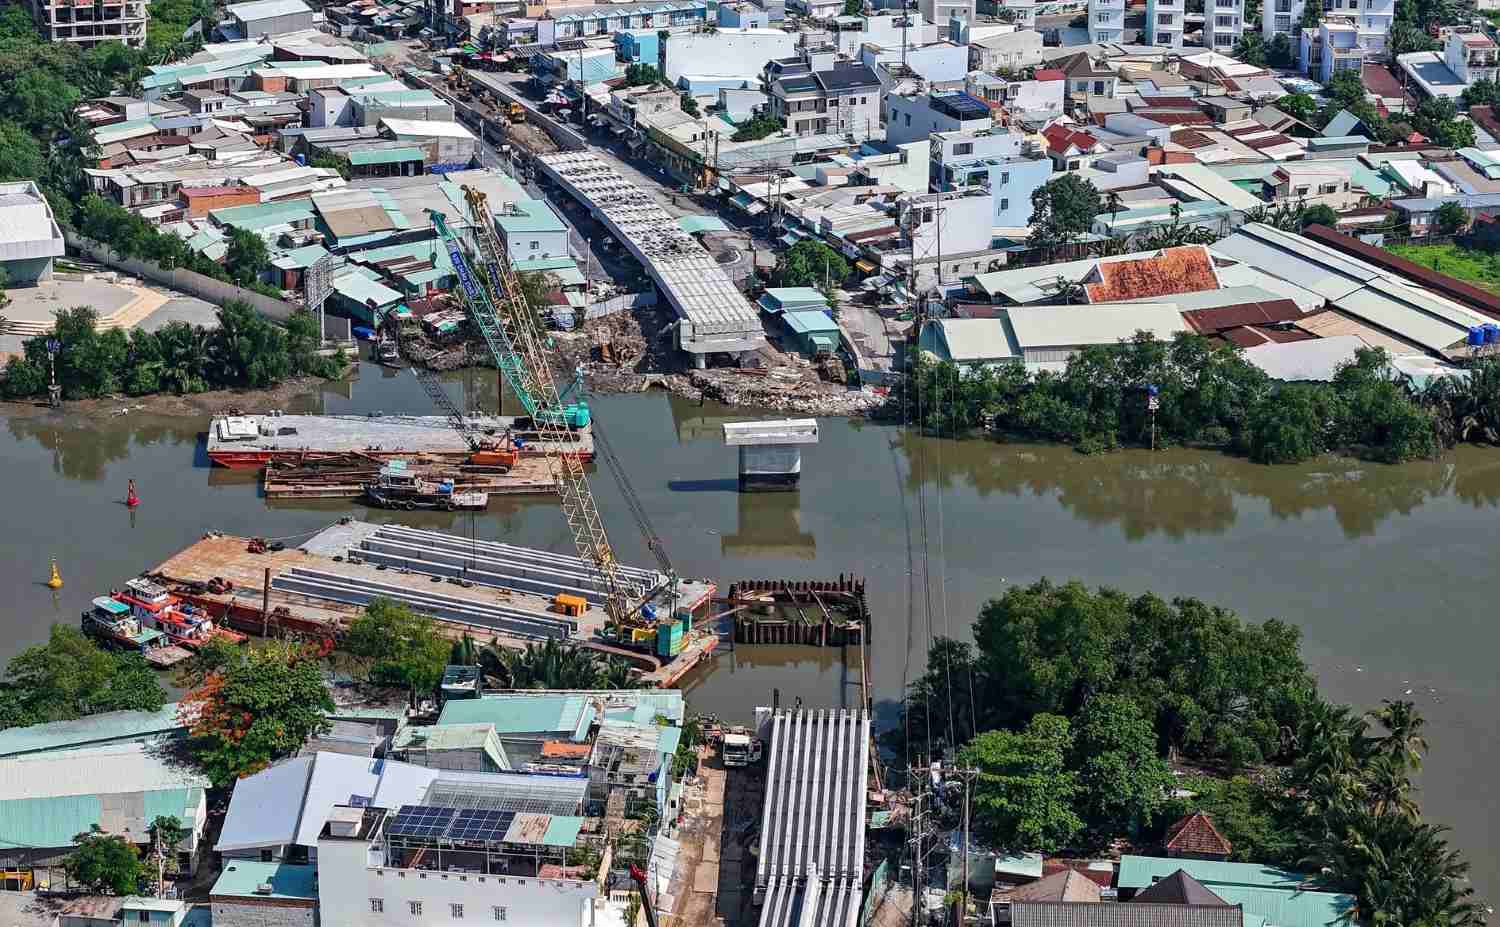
x: 1388, y: 789
x: 1401, y: 871
x: 465, y: 652
x: 1403, y: 741
x: 184, y: 357
x: 618, y: 674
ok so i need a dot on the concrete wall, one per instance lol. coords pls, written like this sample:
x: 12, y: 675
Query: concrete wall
x: 215, y: 291
x: 369, y: 114
x: 278, y: 25
x: 27, y: 270
x: 263, y: 912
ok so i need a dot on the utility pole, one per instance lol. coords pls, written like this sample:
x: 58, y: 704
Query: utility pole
x: 918, y: 777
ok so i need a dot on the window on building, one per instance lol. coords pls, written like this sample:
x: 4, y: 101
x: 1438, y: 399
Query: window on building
x: 499, y: 910
x: 457, y: 911
x: 1004, y: 177
x: 908, y: 120
x: 863, y: 100
x: 377, y: 905
x: 415, y: 908
x: 143, y: 916
x: 963, y: 148
x: 1164, y: 19
x: 1301, y: 191
x: 1328, y: 188
x: 265, y: 856
x: 1004, y: 203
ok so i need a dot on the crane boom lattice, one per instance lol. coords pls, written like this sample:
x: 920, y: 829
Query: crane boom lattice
x: 498, y: 307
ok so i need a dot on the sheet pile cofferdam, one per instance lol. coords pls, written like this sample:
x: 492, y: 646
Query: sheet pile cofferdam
x: 812, y: 837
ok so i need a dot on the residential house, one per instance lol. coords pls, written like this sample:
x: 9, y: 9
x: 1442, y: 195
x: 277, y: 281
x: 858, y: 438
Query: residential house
x: 724, y: 54
x: 1008, y: 51
x: 250, y: 893
x: 1063, y: 885
x: 1262, y: 893
x: 943, y: 11
x: 1072, y: 149
x: 1002, y: 162
x: 914, y: 116
x: 830, y: 97
x: 1186, y: 269
x: 1466, y: 57
x: 1334, y: 46
x: 1312, y: 183
x: 1084, y: 75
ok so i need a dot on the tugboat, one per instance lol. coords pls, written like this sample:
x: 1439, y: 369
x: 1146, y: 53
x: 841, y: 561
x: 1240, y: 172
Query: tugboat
x: 184, y: 625
x: 387, y: 353
x: 111, y: 622
x: 396, y: 487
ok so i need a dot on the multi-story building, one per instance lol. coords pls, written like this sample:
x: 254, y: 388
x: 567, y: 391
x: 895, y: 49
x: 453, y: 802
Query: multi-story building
x: 942, y: 11
x: 827, y: 95
x: 89, y: 24
x: 1333, y: 47
x: 1280, y: 17
x: 1471, y: 56
x: 917, y: 116
x: 1372, y: 18
x: 1164, y: 22
x: 1223, y: 24
x: 1106, y: 21
x: 995, y: 160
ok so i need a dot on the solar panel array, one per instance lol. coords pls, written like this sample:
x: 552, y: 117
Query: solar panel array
x: 456, y: 825
x: 421, y: 821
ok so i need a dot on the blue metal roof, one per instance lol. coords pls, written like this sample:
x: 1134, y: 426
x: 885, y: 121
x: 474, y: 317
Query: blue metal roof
x: 110, y: 727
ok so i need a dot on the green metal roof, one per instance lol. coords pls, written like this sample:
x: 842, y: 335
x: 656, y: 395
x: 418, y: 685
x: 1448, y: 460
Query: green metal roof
x: 54, y: 822
x: 299, y: 258
x: 265, y: 215
x: 809, y: 322
x: 536, y: 264
x: 646, y: 706
x: 519, y: 714
x: 694, y: 224
x: 1280, y: 907
x: 385, y: 156
x: 444, y: 737
x: 1141, y: 871
x: 363, y: 290
x: 1019, y: 864
x: 562, y: 831
x: 110, y: 727
x: 530, y: 216
x: 243, y: 876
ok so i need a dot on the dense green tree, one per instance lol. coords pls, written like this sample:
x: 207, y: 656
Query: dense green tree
x: 1252, y: 815
x: 167, y: 833
x: 758, y: 128
x: 21, y: 155
x: 689, y: 103
x: 811, y: 263
x: 1122, y: 782
x: 261, y: 705
x: 1312, y: 13
x: 398, y: 647
x: 1345, y: 88
x: 1319, y: 214
x: 24, y: 378
x: 105, y: 863
x: 1023, y: 795
x: 553, y: 665
x: 1438, y: 119
x: 1062, y: 210
x: 1299, y: 106
x: 1280, y: 53
x: 70, y: 676
x: 246, y: 349
x: 1291, y: 424
x: 1482, y: 92
x: 332, y: 162
x: 854, y: 7
x: 640, y: 75
x: 1401, y: 870
x: 1451, y: 218
x: 247, y: 257
x: 1406, y: 37
x: 184, y: 357
x: 1251, y: 49
x: 1379, y: 415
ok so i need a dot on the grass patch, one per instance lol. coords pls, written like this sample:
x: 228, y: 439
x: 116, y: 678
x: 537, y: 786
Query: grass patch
x: 1476, y: 267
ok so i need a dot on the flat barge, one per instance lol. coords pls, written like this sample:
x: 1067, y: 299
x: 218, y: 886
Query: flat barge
x: 346, y: 477
x: 253, y: 441
x: 483, y: 588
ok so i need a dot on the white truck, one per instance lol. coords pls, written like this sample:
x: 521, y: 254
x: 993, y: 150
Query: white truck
x: 741, y: 750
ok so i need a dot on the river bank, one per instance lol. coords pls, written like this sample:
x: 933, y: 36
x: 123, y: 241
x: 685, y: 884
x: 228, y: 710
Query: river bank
x: 1381, y: 567
x: 197, y: 405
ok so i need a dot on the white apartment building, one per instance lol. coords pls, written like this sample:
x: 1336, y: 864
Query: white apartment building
x: 1223, y: 24
x: 1106, y: 21
x: 1279, y: 17
x: 1371, y: 18
x: 1471, y: 56
x: 1164, y: 22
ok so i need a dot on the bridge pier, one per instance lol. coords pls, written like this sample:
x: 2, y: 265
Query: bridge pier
x: 771, y: 452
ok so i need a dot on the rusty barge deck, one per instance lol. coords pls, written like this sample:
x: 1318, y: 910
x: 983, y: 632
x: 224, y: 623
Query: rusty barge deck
x: 253, y: 441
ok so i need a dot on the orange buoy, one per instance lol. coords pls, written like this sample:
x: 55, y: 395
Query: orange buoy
x: 131, y: 499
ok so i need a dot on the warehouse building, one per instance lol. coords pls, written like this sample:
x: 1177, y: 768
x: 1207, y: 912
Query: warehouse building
x: 29, y: 236
x: 267, y: 17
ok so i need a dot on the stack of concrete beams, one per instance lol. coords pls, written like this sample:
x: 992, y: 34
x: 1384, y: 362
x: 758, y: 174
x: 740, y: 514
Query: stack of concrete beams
x: 812, y: 835
x: 351, y: 590
x: 716, y: 317
x: 504, y: 566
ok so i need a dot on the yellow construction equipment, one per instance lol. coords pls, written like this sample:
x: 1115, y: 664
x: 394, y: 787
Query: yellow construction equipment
x: 516, y: 113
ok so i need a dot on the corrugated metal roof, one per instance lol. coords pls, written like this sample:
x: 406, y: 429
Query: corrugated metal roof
x: 385, y: 156
x: 1104, y: 914
x: 968, y: 340
x: 134, y: 766
x: 266, y: 9
x: 518, y: 714
x: 1141, y: 871
x: 90, y: 731
x: 363, y: 290
x: 54, y: 822
x: 426, y: 128
x: 265, y: 807
x: 1282, y: 908
x: 1038, y: 327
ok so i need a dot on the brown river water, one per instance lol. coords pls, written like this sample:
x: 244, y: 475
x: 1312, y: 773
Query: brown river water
x: 1385, y: 569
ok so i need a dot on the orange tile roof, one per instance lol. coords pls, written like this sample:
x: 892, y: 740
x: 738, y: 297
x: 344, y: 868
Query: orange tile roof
x: 1187, y: 269
x: 1060, y: 138
x: 556, y: 748
x: 1197, y: 834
